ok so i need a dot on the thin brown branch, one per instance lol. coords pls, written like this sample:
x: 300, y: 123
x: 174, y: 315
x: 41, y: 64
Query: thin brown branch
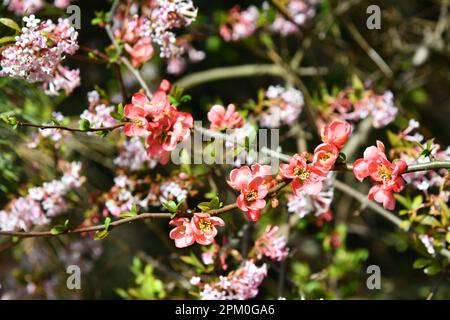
x: 45, y: 127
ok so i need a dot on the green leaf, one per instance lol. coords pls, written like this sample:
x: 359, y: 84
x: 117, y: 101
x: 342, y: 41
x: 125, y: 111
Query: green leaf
x: 432, y: 270
x: 170, y: 205
x: 10, y: 23
x: 116, y: 115
x: 7, y: 39
x: 421, y: 263
x: 85, y: 124
x: 59, y: 229
x: 100, y: 235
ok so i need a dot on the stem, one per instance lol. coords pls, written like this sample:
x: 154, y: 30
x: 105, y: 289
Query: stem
x: 124, y: 60
x: 112, y: 225
x: 242, y: 71
x: 44, y: 127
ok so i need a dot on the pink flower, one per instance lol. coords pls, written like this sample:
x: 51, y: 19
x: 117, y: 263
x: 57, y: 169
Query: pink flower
x: 182, y: 233
x: 137, y: 115
x: 337, y: 133
x: 306, y: 177
x: 387, y: 175
x: 141, y: 51
x: 224, y: 119
x: 204, y: 227
x: 325, y: 156
x: 240, y: 24
x: 239, y: 178
x: 251, y: 200
x: 271, y: 245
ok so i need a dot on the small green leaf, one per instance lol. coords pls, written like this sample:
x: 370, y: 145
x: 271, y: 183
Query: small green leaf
x: 421, y: 263
x: 85, y: 124
x: 170, y: 205
x: 100, y: 235
x: 116, y: 115
x: 432, y: 270
x: 7, y: 39
x: 10, y: 23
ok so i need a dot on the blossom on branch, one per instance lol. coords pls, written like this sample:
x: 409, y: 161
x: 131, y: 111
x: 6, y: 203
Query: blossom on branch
x: 38, y: 53
x: 386, y: 174
x: 201, y: 229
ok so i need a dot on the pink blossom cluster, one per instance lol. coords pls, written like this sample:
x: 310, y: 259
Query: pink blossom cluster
x: 319, y: 204
x: 300, y: 11
x: 21, y: 7
x: 385, y: 174
x: 422, y: 180
x: 201, y: 228
x: 284, y: 107
x: 271, y: 245
x: 240, y: 24
x: 98, y: 114
x: 159, y: 121
x: 123, y: 196
x: 307, y: 178
x: 177, y: 64
x: 42, y: 203
x: 133, y: 156
x: 241, y: 284
x: 253, y: 184
x: 38, y: 53
x: 380, y: 108
x: 222, y: 118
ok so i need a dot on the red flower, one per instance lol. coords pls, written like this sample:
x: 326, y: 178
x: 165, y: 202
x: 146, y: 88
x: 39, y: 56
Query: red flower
x: 337, y: 133
x: 224, y: 119
x: 137, y: 115
x: 251, y: 200
x: 141, y: 51
x: 387, y: 174
x: 306, y: 177
x: 182, y: 233
x: 204, y: 227
x: 325, y: 156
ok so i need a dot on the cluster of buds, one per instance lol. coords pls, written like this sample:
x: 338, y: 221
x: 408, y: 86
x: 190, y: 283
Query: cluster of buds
x: 38, y: 53
x: 270, y: 244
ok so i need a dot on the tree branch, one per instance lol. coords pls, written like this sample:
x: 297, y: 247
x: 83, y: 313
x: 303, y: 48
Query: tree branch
x: 45, y: 127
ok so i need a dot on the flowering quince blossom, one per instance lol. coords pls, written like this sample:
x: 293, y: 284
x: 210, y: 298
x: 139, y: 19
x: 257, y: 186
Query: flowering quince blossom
x: 387, y: 175
x: 201, y: 229
x: 336, y: 133
x: 182, y: 233
x: 240, y: 24
x: 157, y: 119
x: 271, y: 245
x: 38, y: 52
x: 222, y: 118
x: 141, y: 51
x: 306, y: 177
x: 21, y: 7
x: 325, y: 155
x: 254, y: 185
